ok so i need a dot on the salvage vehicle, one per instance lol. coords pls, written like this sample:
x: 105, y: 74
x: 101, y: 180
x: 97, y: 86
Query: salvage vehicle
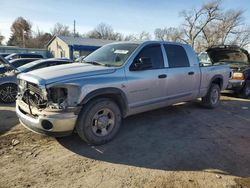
x: 8, y: 78
x: 238, y: 60
x: 115, y: 81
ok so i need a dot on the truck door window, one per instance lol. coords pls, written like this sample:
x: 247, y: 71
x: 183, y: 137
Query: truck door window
x: 154, y: 53
x: 176, y: 55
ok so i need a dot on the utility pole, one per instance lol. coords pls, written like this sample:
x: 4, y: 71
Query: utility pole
x: 74, y: 28
x: 23, y: 39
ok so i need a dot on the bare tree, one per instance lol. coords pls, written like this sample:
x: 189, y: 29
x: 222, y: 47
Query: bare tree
x: 104, y: 31
x: 169, y: 34
x: 225, y: 29
x: 21, y: 32
x: 60, y: 29
x: 130, y: 37
x: 39, y: 39
x: 241, y: 37
x: 144, y: 36
x: 196, y: 20
x: 1, y: 39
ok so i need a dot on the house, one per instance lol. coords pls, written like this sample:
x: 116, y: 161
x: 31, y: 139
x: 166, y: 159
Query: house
x: 74, y: 47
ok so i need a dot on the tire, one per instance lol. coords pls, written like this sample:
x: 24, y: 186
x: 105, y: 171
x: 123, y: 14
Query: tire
x: 8, y: 93
x: 212, y: 99
x: 99, y: 121
x: 245, y: 93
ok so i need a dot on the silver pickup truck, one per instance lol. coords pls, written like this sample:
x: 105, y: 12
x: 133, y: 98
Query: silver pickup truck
x: 115, y: 81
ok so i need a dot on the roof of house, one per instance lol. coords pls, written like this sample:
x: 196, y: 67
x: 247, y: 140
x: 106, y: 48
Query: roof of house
x: 70, y: 40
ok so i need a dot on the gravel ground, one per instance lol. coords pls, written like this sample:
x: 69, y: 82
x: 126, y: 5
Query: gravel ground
x: 183, y: 145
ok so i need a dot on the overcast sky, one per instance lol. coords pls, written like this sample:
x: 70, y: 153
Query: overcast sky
x: 126, y: 16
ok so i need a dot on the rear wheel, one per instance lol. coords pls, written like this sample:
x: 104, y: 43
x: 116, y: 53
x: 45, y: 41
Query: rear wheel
x: 212, y: 99
x: 8, y: 93
x: 99, y: 121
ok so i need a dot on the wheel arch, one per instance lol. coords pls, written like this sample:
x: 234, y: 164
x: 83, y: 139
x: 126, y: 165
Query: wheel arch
x: 115, y: 94
x: 217, y: 79
x: 5, y: 83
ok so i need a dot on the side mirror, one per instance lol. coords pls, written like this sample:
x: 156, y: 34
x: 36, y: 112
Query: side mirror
x: 141, y: 64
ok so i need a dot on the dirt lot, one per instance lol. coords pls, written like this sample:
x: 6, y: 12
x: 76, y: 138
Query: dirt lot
x: 180, y: 146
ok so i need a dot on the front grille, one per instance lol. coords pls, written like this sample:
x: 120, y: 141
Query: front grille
x: 34, y: 88
x: 32, y: 95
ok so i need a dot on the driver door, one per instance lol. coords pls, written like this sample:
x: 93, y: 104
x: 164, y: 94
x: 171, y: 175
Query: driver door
x: 146, y: 87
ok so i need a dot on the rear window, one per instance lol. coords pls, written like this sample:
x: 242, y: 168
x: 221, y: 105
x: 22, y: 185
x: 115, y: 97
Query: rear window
x: 177, y: 56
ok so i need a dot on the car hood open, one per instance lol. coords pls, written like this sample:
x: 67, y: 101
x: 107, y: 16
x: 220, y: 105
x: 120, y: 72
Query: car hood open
x: 230, y: 54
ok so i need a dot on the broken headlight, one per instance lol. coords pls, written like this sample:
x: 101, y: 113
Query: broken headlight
x: 57, y: 98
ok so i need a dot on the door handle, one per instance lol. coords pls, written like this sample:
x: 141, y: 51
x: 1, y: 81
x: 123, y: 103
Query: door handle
x: 190, y: 73
x: 162, y: 76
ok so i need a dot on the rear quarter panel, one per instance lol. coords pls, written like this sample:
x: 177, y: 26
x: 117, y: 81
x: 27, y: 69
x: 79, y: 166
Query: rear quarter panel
x: 213, y: 71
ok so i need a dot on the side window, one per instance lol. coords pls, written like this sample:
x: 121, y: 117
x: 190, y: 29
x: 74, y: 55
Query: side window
x: 24, y: 56
x: 154, y: 53
x: 176, y: 55
x: 37, y: 56
x: 53, y: 63
x: 39, y: 66
x: 23, y: 62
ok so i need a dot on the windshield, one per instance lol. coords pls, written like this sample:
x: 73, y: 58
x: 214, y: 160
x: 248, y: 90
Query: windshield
x: 111, y: 54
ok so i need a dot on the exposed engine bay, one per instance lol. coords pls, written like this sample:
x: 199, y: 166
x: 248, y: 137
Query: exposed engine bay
x: 54, y: 98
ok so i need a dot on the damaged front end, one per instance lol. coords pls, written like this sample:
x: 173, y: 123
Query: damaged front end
x: 54, y: 98
x: 47, y: 110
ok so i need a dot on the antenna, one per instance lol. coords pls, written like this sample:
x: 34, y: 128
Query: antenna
x: 74, y: 28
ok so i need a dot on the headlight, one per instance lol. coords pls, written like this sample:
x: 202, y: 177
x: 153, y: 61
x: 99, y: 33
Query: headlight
x: 238, y: 76
x: 57, y: 97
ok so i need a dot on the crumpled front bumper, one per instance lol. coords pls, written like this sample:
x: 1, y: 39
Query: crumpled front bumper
x: 50, y: 123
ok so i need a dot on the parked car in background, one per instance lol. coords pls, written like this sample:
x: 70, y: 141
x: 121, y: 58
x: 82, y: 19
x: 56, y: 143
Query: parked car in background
x: 22, y: 61
x: 17, y: 63
x: 238, y: 60
x: 4, y: 54
x: 115, y: 81
x: 8, y: 80
x: 23, y: 55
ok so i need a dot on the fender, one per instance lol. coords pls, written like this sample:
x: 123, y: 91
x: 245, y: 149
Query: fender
x: 220, y: 77
x: 115, y: 93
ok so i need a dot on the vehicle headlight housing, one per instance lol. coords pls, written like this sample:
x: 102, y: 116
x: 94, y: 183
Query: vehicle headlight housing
x: 57, y: 97
x: 238, y: 76
x: 63, y: 96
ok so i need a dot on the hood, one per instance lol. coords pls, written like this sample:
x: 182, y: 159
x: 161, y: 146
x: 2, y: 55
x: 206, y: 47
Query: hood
x: 234, y: 56
x: 60, y: 73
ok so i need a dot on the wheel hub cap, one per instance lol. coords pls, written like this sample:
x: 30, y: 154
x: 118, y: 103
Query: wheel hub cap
x: 8, y: 94
x: 214, y: 96
x: 103, y: 122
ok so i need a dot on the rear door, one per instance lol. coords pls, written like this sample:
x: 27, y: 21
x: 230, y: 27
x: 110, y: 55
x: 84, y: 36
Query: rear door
x: 183, y: 76
x: 147, y: 87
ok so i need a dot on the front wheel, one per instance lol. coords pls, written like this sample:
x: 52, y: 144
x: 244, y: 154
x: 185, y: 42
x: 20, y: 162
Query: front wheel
x: 212, y: 99
x: 8, y: 93
x: 99, y: 121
